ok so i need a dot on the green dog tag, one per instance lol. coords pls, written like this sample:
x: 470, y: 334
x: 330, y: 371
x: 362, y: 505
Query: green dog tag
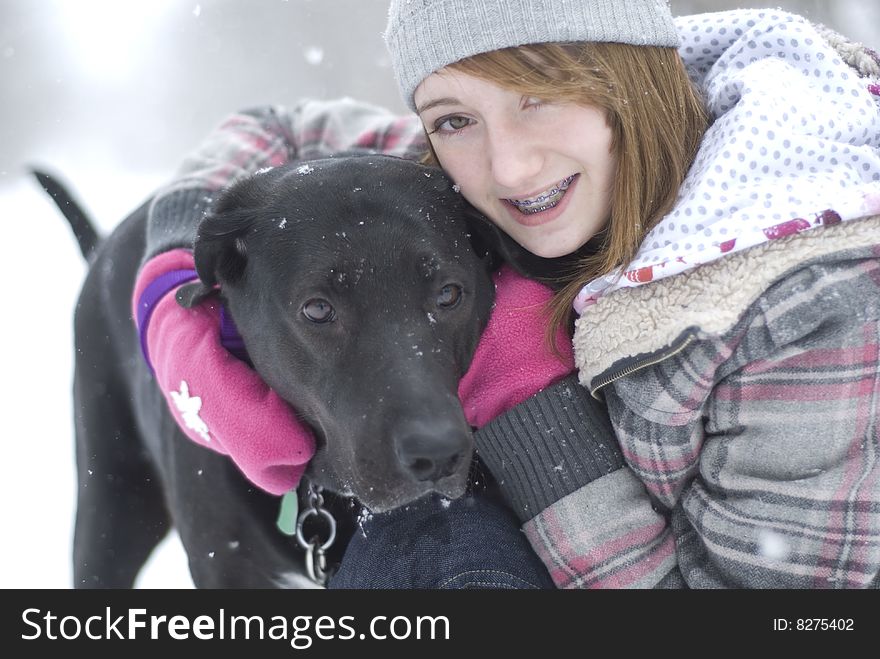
x: 288, y: 513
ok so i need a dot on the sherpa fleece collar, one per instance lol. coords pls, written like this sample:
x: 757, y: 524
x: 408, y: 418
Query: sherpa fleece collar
x: 639, y: 321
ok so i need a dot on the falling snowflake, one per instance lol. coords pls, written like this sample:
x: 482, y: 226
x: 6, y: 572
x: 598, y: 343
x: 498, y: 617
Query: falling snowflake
x: 773, y: 545
x: 363, y: 517
x: 314, y: 55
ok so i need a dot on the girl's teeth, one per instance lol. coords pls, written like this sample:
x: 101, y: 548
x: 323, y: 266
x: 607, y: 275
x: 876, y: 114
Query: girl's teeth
x: 544, y: 201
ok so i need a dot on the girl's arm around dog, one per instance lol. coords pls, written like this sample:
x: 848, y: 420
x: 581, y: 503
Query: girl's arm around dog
x: 256, y: 139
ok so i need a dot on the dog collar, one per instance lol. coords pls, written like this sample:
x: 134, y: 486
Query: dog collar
x: 230, y: 338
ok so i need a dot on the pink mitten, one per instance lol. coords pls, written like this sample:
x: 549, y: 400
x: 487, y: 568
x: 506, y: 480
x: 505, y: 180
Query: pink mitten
x: 513, y: 361
x: 217, y: 400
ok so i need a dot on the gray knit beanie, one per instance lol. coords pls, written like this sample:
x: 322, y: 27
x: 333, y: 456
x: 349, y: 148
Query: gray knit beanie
x: 423, y: 36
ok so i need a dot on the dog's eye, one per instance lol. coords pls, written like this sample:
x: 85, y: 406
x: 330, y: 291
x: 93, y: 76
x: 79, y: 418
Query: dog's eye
x: 449, y: 296
x: 318, y: 311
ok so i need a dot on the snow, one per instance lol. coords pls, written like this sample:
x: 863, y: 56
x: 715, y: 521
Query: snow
x: 773, y: 545
x: 314, y: 55
x: 42, y: 272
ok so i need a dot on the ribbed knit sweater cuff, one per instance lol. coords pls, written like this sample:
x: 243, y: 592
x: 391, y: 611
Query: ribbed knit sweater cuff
x: 550, y: 445
x: 174, y: 219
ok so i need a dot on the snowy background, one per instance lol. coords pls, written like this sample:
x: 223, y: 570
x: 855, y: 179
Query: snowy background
x: 110, y: 94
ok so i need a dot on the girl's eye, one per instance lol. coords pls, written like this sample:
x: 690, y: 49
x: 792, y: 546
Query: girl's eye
x: 319, y: 311
x: 533, y: 102
x: 451, y: 124
x: 450, y: 296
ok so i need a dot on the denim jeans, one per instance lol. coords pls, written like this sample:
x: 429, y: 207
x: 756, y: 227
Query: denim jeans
x: 472, y: 542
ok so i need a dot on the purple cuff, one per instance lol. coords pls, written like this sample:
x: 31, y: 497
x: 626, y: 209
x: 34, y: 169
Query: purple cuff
x: 164, y: 284
x: 155, y: 291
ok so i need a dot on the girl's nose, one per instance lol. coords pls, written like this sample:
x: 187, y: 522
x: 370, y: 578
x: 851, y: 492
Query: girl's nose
x: 515, y: 160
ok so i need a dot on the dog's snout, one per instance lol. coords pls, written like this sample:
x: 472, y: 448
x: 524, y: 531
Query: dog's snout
x: 430, y: 456
x: 432, y: 469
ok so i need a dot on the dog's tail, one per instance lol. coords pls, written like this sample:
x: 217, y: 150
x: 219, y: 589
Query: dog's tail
x: 83, y: 228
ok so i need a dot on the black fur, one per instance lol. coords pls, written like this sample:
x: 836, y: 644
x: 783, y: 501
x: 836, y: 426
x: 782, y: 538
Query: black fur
x: 86, y: 235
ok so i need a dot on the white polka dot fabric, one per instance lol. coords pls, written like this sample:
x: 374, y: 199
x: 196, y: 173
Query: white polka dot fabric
x: 795, y: 144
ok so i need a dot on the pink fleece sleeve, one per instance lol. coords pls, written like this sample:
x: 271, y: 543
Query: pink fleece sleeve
x: 513, y: 361
x: 220, y: 402
x: 217, y: 400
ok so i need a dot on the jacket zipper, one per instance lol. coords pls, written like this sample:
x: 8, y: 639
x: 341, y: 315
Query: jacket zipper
x: 645, y: 363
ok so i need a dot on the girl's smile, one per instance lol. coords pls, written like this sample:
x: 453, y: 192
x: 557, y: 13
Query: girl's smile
x: 544, y: 207
x: 546, y: 200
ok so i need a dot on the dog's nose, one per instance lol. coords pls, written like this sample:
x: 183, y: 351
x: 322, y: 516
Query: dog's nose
x: 429, y: 456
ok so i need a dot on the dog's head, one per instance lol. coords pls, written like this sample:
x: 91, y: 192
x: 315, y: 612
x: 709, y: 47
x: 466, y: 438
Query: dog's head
x: 360, y: 298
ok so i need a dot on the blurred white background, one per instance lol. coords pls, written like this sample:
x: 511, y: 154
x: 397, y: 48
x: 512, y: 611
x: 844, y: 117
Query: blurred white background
x: 111, y: 94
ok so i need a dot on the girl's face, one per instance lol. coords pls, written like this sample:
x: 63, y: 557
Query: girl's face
x: 541, y: 171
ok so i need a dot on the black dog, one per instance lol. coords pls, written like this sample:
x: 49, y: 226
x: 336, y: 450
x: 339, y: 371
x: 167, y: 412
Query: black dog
x: 360, y: 295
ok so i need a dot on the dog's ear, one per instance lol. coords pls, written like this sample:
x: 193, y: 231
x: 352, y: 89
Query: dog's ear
x: 191, y: 295
x: 220, y: 248
x: 500, y: 248
x: 491, y: 243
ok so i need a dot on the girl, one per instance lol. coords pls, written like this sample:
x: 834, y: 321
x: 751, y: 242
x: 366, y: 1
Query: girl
x: 703, y: 194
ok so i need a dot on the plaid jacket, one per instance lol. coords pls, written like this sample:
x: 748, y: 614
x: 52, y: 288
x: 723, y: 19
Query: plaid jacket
x: 263, y: 137
x: 745, y: 398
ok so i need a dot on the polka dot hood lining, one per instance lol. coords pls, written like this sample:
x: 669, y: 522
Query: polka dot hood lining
x: 794, y: 144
